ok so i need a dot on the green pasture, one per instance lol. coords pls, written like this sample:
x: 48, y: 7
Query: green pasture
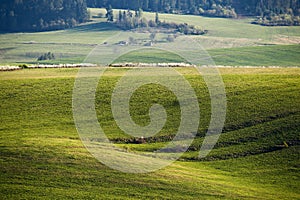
x: 257, y: 156
x: 274, y: 55
x: 73, y: 45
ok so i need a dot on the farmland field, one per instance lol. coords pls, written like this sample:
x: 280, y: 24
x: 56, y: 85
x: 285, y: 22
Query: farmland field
x: 43, y: 157
x: 73, y: 45
x: 276, y: 55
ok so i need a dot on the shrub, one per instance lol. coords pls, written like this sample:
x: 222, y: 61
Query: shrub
x: 23, y: 66
x: 46, y: 56
x: 278, y: 20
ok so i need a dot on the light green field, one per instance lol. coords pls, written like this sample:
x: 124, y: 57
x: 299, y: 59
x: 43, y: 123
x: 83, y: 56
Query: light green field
x: 41, y: 156
x: 69, y: 46
x: 73, y: 45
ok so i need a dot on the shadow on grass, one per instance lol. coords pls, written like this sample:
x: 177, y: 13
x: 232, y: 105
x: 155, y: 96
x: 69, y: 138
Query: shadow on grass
x: 101, y: 26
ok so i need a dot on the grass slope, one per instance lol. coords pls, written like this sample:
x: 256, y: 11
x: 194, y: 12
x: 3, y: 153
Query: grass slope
x: 41, y: 156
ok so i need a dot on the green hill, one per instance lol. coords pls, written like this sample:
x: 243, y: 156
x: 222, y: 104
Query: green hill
x: 257, y: 156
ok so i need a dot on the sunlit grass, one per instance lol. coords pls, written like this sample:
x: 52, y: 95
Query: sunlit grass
x: 41, y: 155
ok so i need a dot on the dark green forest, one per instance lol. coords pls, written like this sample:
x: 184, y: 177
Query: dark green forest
x: 42, y: 15
x: 213, y: 7
x: 267, y: 12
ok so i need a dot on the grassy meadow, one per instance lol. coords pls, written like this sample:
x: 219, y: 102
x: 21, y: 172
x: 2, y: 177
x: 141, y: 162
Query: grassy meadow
x: 42, y: 156
x: 73, y: 45
x: 256, y: 157
x: 275, y: 55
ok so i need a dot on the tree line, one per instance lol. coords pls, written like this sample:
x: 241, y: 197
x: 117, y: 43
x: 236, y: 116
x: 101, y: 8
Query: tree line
x: 221, y: 8
x: 41, y: 15
x: 268, y: 9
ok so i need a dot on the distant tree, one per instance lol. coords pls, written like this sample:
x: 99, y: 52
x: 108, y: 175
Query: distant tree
x: 157, y: 18
x: 178, y: 4
x: 109, y: 14
x: 120, y: 16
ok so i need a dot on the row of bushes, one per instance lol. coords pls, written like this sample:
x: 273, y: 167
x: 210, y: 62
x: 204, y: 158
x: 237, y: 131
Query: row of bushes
x: 278, y: 20
x: 219, y: 11
x: 128, y: 20
x: 183, y: 28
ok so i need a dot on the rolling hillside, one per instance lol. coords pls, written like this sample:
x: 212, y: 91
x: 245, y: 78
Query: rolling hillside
x: 256, y: 157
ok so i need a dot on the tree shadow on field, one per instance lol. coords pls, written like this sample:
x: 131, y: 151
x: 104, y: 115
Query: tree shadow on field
x: 101, y: 26
x: 94, y: 27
